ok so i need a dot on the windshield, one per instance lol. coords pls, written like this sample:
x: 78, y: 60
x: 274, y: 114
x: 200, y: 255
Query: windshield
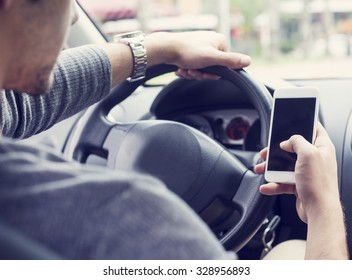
x: 289, y: 39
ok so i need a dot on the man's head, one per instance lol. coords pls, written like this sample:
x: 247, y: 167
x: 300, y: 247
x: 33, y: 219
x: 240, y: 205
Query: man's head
x: 32, y: 34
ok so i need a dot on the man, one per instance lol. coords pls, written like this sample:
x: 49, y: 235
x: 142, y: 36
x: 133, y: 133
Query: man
x: 80, y: 212
x: 34, y: 48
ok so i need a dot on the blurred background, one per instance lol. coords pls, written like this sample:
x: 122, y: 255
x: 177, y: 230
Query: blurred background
x: 287, y: 38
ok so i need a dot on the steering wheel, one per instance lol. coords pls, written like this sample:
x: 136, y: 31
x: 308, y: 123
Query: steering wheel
x: 209, y: 178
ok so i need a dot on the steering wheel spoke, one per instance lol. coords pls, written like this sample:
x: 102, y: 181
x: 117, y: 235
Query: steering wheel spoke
x: 248, y: 158
x: 247, y: 203
x: 89, y: 135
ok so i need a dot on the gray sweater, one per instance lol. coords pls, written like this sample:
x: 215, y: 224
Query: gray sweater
x: 85, y: 212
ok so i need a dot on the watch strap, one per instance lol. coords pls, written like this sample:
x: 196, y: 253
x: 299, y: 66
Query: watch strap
x: 135, y: 40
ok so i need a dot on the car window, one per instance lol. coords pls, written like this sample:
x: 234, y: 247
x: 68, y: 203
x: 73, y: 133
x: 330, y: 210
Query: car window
x: 291, y: 39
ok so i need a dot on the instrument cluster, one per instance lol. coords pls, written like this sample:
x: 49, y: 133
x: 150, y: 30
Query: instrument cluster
x: 233, y: 128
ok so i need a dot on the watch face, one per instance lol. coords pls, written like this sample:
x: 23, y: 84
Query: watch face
x: 134, y: 34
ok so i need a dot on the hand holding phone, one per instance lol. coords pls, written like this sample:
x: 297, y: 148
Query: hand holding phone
x: 295, y: 112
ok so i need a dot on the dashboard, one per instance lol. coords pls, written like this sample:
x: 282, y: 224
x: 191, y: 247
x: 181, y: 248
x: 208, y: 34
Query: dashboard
x: 235, y: 129
x: 219, y: 109
x: 228, y: 116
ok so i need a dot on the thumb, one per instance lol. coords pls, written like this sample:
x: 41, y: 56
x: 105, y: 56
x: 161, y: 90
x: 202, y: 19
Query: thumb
x: 296, y: 144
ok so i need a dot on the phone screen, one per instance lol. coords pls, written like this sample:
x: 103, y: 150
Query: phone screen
x: 291, y: 116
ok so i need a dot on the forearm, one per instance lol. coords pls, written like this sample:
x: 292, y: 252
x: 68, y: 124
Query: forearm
x: 326, y: 238
x: 186, y: 50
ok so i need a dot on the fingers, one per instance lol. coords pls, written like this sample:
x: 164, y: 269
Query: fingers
x: 235, y: 60
x: 275, y: 189
x: 271, y: 188
x: 183, y: 73
x: 227, y: 59
x: 260, y: 168
x: 191, y: 74
x: 264, y: 153
x: 216, y: 57
x: 217, y: 53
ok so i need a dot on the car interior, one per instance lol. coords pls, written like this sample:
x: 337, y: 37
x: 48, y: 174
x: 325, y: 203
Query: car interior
x: 190, y: 127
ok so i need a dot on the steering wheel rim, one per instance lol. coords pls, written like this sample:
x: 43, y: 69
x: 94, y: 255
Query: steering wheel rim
x: 252, y: 206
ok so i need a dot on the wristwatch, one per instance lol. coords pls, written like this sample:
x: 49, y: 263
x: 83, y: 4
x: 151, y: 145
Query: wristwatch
x: 135, y: 40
